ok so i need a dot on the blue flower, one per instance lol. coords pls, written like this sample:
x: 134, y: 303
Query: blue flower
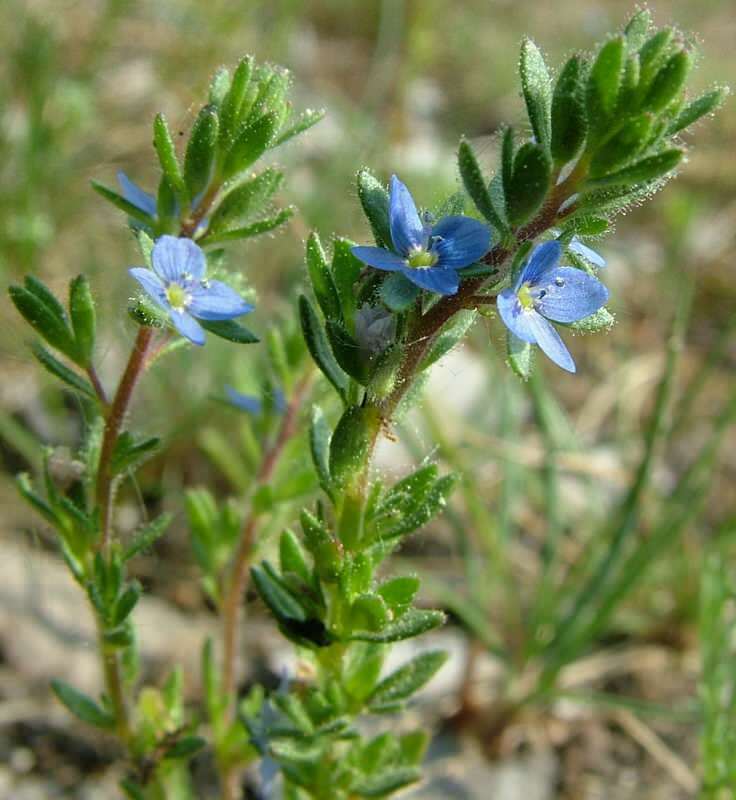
x: 254, y: 405
x: 428, y: 254
x: 136, y: 196
x: 595, y: 258
x: 178, y: 285
x: 545, y: 291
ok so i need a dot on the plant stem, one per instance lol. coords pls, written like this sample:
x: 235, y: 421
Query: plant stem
x: 113, y: 425
x: 239, y: 573
x: 238, y: 581
x: 113, y: 684
x: 97, y: 386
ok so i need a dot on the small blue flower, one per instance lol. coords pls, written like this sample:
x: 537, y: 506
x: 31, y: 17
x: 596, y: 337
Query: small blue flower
x: 428, y: 254
x: 595, y: 258
x: 136, y: 196
x: 178, y: 285
x: 254, y: 405
x: 545, y: 291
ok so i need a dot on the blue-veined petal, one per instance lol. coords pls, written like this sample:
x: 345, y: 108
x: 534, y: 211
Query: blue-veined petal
x: 549, y: 341
x: 379, y: 258
x: 566, y: 294
x: 462, y: 242
x: 544, y: 257
x: 515, y: 317
x: 152, y: 285
x: 595, y: 258
x: 434, y: 279
x: 177, y: 259
x: 245, y: 402
x: 216, y: 301
x: 407, y: 230
x: 187, y: 326
x: 135, y: 195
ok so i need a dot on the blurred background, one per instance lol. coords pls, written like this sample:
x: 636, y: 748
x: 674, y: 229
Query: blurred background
x: 401, y: 80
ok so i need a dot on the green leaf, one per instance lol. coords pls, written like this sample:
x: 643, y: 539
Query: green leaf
x: 569, y: 123
x: 129, y: 452
x: 44, y: 318
x: 601, y: 320
x: 604, y: 83
x: 520, y: 356
x: 319, y: 446
x: 405, y: 681
x: 231, y: 105
x: 449, y: 336
x: 302, y: 123
x: 398, y: 293
x: 276, y: 595
x: 230, y: 330
x: 292, y: 557
x: 374, y: 199
x: 669, y: 81
x: 146, y: 537
x: 645, y: 170
x: 536, y: 85
x: 255, y: 229
x: 122, y: 203
x: 368, y: 613
x: 346, y: 270
x: 529, y: 183
x: 637, y: 29
x: 652, y: 56
x: 62, y: 372
x: 347, y: 351
x: 362, y: 666
x: 705, y: 104
x: 320, y: 276
x: 126, y: 603
x: 352, y: 442
x: 82, y: 706
x: 133, y: 790
x: 200, y: 155
x: 623, y: 146
x: 185, y: 747
x: 35, y: 501
x: 414, y: 623
x: 250, y: 143
x: 475, y: 186
x: 166, y: 152
x: 245, y: 200
x: 316, y: 340
x: 399, y: 592
x: 219, y: 86
x: 586, y: 225
x: 46, y: 296
x: 386, y: 782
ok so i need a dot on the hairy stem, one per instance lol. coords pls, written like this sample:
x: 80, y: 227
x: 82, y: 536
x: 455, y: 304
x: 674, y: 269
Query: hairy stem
x: 238, y: 581
x: 113, y: 425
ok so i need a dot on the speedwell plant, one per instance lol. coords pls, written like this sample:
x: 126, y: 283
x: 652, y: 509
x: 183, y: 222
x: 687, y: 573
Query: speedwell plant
x: 604, y: 133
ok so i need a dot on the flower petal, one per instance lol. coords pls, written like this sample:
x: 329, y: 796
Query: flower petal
x: 178, y: 259
x: 379, y: 258
x: 187, y: 326
x: 135, y: 195
x: 434, y: 279
x: 152, y: 285
x: 245, y: 402
x: 544, y: 257
x: 407, y: 230
x: 216, y: 301
x: 567, y: 294
x: 463, y: 241
x: 515, y: 317
x: 595, y: 258
x: 551, y: 344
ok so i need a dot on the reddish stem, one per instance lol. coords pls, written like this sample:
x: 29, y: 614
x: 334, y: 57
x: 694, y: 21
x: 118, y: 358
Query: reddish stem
x: 113, y: 425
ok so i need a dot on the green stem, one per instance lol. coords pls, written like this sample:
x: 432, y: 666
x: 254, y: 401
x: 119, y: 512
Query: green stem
x: 114, y: 685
